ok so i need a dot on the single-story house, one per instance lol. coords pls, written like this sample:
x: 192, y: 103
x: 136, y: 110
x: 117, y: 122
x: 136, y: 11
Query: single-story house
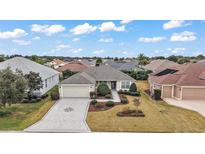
x: 88, y: 62
x: 56, y: 63
x: 49, y: 76
x: 123, y: 65
x: 185, y: 82
x: 159, y: 65
x: 74, y: 66
x: 82, y: 83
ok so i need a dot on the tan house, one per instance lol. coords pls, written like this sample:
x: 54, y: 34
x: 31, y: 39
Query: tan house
x: 159, y: 65
x: 184, y: 82
x: 56, y: 63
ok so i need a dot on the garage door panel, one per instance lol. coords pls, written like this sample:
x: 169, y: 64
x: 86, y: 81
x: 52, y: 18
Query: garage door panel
x: 193, y: 93
x: 75, y: 91
x: 167, y: 91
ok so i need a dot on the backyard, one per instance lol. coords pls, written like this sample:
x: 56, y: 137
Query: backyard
x: 159, y: 117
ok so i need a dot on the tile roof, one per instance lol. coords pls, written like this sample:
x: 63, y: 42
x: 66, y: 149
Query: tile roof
x: 190, y: 74
x: 74, y: 66
x: 159, y: 65
x: 26, y: 65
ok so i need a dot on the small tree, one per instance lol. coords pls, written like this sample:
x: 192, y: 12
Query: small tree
x: 67, y: 74
x: 133, y: 88
x: 103, y: 89
x: 137, y: 103
x: 157, y: 94
x: 99, y: 61
x: 12, y: 86
x: 34, y: 82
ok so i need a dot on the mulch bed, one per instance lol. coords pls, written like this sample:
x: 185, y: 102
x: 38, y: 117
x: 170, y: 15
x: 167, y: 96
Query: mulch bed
x: 147, y: 92
x: 92, y: 108
x: 133, y: 113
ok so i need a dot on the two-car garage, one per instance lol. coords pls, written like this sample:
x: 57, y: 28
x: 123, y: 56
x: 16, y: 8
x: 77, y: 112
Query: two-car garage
x: 74, y: 91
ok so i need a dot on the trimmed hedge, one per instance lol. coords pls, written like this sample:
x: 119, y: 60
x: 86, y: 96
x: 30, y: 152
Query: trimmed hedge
x: 55, y: 95
x: 157, y: 94
x: 4, y: 113
x: 125, y: 92
x: 93, y: 102
x: 133, y: 88
x: 103, y: 89
x: 110, y: 104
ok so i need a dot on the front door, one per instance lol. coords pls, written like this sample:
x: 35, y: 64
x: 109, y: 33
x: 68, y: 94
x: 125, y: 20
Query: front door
x: 113, y: 84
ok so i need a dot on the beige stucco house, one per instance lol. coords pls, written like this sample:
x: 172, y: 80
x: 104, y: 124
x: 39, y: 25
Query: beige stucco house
x: 184, y: 82
x: 82, y: 83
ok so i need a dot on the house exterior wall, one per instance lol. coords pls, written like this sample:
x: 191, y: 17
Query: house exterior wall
x: 49, y: 83
x: 193, y: 93
x: 166, y: 91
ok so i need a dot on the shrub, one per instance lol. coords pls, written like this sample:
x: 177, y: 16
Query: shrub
x: 4, y: 113
x: 92, y: 94
x: 108, y: 96
x: 55, y: 96
x: 93, y: 102
x: 157, y: 94
x: 110, y: 104
x: 25, y: 100
x: 103, y: 89
x: 135, y: 93
x: 124, y: 100
x: 44, y: 96
x: 99, y: 105
x: 133, y: 88
x: 120, y: 91
x: 38, y: 99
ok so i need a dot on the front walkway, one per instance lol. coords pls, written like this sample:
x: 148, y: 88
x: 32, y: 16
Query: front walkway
x: 67, y: 115
x: 115, y: 95
x: 195, y: 105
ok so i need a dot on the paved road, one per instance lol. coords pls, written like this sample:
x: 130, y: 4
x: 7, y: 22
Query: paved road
x: 67, y: 115
x: 195, y: 105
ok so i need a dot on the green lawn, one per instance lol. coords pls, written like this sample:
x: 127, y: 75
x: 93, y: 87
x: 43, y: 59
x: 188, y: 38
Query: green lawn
x: 24, y: 115
x: 160, y: 117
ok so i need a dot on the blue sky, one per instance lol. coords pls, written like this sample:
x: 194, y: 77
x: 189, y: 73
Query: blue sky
x: 123, y: 38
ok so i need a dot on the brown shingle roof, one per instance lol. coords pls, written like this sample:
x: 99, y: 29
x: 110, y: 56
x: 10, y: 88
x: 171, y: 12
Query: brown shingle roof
x: 187, y: 75
x: 74, y: 66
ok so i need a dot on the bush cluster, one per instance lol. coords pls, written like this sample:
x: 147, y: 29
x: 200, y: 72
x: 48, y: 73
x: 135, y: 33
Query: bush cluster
x: 4, y: 113
x: 55, y: 95
x: 157, y: 94
x: 123, y: 99
x: 125, y: 92
x: 103, y: 89
x: 110, y: 104
x: 138, y: 75
x: 93, y: 102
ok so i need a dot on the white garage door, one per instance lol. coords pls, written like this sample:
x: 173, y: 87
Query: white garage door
x: 75, y: 91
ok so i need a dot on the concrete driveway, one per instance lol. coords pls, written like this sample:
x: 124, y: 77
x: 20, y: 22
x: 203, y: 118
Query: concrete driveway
x: 195, y: 105
x: 67, y: 115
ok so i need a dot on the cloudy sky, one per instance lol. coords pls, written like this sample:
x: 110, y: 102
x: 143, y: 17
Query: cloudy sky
x: 123, y: 38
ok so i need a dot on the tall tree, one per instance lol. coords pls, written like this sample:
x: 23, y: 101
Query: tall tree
x: 12, y: 86
x: 99, y: 61
x: 142, y: 59
x: 34, y: 82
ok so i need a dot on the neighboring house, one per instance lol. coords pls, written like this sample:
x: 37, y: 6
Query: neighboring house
x: 81, y: 84
x: 74, y: 66
x: 49, y: 76
x: 56, y: 63
x: 159, y: 65
x: 185, y: 82
x: 123, y: 65
x: 89, y: 63
x: 201, y: 62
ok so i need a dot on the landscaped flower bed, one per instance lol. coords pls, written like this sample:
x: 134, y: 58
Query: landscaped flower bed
x: 130, y: 113
x: 101, y: 106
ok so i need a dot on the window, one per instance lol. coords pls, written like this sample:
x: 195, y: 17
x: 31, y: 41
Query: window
x: 125, y: 85
x: 46, y: 84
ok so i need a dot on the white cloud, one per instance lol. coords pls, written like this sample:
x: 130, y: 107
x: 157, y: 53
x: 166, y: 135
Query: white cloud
x: 83, y: 29
x: 175, y: 24
x: 62, y: 46
x: 184, y: 36
x: 151, y: 39
x: 77, y: 50
x: 106, y: 40
x: 36, y: 38
x: 100, y: 51
x: 176, y: 50
x: 16, y: 33
x: 121, y: 44
x: 21, y: 42
x: 109, y: 26
x: 47, y: 29
x: 75, y: 39
x: 126, y: 21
